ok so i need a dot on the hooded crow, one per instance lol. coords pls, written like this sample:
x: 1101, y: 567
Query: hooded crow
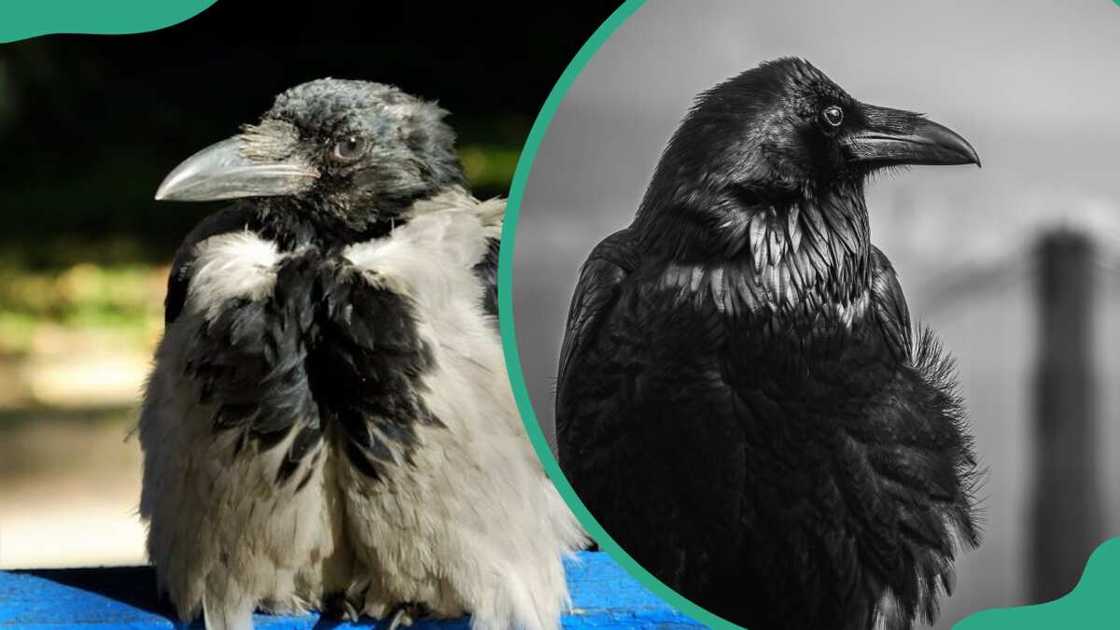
x: 329, y: 423
x: 742, y: 402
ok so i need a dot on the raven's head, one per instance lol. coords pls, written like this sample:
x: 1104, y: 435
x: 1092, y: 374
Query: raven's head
x: 355, y: 150
x: 783, y: 132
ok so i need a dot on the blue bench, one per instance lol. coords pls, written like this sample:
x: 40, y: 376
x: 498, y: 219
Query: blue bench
x: 604, y: 597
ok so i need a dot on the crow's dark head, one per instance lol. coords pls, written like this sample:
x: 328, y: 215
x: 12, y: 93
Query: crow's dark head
x: 784, y: 132
x: 352, y: 150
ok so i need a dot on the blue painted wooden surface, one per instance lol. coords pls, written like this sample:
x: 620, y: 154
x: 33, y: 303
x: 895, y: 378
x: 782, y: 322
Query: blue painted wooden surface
x: 604, y: 597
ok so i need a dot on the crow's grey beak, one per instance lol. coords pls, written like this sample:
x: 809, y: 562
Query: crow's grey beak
x: 894, y: 136
x: 222, y: 171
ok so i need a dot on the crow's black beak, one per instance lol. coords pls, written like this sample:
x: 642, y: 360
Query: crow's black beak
x: 893, y: 136
x: 242, y: 166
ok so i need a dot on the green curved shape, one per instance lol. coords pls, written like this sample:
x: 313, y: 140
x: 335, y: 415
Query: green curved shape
x: 509, y: 335
x: 21, y: 19
x: 1092, y: 604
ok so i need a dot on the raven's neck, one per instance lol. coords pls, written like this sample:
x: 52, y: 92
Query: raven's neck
x: 811, y: 248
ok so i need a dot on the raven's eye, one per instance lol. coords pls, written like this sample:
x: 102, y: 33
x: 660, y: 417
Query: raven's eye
x: 349, y: 149
x: 832, y: 115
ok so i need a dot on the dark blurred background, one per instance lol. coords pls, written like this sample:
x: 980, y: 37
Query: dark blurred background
x: 1016, y: 265
x: 89, y: 126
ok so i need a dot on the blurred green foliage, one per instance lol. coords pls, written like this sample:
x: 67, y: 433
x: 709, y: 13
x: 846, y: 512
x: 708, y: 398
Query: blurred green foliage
x: 122, y: 298
x: 489, y: 168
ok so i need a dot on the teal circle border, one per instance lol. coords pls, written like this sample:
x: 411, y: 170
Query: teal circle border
x: 1078, y: 606
x: 509, y: 334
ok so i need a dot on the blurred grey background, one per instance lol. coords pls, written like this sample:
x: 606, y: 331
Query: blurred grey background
x: 1034, y: 85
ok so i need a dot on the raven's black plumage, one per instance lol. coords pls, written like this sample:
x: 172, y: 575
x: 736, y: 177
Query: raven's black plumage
x: 741, y: 401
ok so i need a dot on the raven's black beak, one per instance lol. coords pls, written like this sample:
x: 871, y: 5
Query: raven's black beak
x: 894, y: 136
x: 242, y: 166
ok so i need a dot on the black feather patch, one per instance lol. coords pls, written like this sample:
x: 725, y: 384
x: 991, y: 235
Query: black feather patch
x: 367, y: 368
x: 487, y: 272
x: 307, y: 440
x: 250, y: 360
x: 327, y: 352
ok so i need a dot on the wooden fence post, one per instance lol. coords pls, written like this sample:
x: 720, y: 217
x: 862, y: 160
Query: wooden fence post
x: 1067, y: 508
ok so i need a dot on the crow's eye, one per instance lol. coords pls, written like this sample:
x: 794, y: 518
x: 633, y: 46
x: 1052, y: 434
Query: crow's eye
x: 349, y: 149
x: 832, y: 116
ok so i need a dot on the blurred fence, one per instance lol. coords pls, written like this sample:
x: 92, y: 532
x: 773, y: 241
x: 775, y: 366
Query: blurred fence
x: 1067, y: 507
x: 1067, y: 503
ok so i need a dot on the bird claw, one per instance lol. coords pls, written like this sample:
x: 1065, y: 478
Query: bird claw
x: 351, y: 613
x: 405, y: 615
x: 340, y: 607
x: 400, y: 618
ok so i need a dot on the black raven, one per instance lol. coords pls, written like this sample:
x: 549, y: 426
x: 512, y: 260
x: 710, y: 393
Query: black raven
x: 742, y: 402
x: 329, y: 423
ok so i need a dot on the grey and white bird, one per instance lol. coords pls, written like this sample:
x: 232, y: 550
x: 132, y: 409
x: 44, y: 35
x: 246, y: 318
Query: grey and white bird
x: 329, y: 424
